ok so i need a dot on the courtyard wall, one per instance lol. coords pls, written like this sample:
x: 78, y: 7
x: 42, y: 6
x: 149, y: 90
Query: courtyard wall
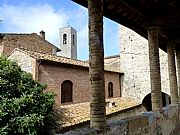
x: 148, y: 123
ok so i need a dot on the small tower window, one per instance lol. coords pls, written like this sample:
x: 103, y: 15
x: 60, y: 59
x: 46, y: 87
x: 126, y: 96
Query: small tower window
x: 110, y: 89
x: 73, y: 40
x: 64, y: 38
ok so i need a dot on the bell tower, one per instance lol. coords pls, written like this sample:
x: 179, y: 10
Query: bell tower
x: 68, y: 42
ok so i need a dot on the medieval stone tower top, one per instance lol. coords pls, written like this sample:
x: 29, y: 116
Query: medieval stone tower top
x: 68, y: 42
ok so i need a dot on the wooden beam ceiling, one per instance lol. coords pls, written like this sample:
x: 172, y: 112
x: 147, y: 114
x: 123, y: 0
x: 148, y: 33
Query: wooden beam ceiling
x: 140, y: 14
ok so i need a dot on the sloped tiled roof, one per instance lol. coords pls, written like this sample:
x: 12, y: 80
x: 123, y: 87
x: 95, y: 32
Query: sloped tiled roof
x: 112, y: 62
x: 73, y: 114
x: 3, y: 35
x: 60, y: 59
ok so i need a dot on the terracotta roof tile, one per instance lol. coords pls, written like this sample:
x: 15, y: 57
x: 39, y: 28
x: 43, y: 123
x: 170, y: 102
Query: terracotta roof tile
x: 5, y: 35
x: 112, y: 62
x: 78, y: 113
x: 60, y: 59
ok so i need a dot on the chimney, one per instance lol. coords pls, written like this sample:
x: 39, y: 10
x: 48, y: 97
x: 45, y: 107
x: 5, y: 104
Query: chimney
x: 42, y: 34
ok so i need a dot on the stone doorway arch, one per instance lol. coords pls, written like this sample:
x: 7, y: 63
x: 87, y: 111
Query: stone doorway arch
x: 147, y: 101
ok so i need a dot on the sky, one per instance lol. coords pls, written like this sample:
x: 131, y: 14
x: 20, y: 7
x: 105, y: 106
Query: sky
x: 32, y: 16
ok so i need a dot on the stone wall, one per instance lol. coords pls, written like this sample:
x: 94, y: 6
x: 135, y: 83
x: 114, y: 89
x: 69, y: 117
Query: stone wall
x: 27, y: 41
x: 55, y: 73
x: 134, y: 62
x: 23, y: 60
x: 26, y: 62
x: 148, y: 123
x: 110, y: 118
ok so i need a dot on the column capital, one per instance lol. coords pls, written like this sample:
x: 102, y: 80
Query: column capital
x: 172, y: 44
x: 153, y: 27
x: 177, y: 48
x: 159, y: 30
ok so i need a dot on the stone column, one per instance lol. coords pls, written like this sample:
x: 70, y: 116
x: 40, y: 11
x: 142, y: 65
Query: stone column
x: 178, y: 64
x: 156, y: 96
x: 96, y: 65
x: 172, y: 73
x: 178, y: 68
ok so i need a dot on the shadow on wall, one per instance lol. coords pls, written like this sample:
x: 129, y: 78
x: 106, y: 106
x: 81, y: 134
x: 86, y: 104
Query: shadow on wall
x: 147, y: 101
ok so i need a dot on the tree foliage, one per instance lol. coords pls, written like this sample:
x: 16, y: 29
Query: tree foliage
x: 24, y: 106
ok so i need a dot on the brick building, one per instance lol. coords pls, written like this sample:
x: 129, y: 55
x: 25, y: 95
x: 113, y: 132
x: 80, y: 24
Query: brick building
x: 64, y: 74
x: 68, y: 78
x: 10, y: 41
x: 126, y: 75
x: 133, y: 61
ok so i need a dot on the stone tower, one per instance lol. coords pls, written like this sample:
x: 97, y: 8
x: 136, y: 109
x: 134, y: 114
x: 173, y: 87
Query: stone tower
x: 134, y: 63
x: 68, y: 42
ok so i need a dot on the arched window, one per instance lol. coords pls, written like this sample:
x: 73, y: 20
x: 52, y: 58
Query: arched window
x: 66, y: 91
x: 110, y: 89
x: 64, y: 38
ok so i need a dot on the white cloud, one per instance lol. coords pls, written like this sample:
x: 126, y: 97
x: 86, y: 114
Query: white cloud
x: 83, y: 49
x: 79, y: 20
x: 33, y: 19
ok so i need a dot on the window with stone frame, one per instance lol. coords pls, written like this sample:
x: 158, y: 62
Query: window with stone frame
x: 65, y: 38
x: 66, y: 91
x: 110, y: 89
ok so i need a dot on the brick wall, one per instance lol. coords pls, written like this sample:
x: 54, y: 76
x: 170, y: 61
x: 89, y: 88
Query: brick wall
x: 28, y: 41
x: 54, y: 74
x: 115, y: 79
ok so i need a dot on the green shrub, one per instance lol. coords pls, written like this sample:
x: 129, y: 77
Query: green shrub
x: 24, y: 106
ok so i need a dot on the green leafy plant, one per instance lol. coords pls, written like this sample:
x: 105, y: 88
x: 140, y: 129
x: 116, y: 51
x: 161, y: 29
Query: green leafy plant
x: 24, y: 106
